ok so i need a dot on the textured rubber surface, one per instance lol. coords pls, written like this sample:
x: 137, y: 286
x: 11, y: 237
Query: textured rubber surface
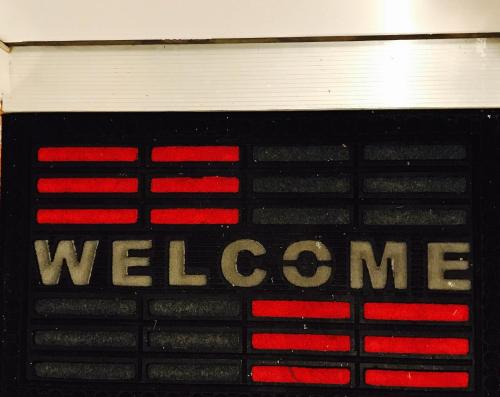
x: 209, y: 179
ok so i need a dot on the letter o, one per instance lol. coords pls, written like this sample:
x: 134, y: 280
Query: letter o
x: 323, y: 272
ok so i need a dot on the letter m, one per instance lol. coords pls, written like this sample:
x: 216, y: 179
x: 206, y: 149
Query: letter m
x: 79, y: 270
x: 394, y: 255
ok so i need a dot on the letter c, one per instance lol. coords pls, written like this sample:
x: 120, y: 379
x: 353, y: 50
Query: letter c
x: 229, y: 263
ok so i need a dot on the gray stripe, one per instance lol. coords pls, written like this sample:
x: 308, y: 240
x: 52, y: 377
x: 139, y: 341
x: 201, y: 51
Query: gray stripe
x: 301, y: 216
x: 390, y: 152
x: 409, y: 184
x: 87, y: 371
x: 401, y: 216
x: 85, y: 307
x: 196, y: 371
x: 301, y: 153
x: 223, y: 340
x: 96, y: 339
x: 313, y: 184
x: 196, y: 306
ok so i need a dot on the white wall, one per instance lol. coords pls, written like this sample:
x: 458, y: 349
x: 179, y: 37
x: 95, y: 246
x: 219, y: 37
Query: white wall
x: 331, y: 75
x: 4, y: 74
x: 46, y: 20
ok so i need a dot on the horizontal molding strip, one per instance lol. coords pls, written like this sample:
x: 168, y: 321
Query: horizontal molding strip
x: 441, y: 73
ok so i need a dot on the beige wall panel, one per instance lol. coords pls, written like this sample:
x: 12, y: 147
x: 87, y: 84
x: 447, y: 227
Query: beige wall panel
x: 35, y: 20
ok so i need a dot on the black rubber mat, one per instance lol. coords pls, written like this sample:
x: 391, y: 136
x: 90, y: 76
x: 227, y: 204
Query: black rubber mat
x: 251, y: 254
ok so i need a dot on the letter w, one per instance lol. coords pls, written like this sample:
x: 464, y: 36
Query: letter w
x: 80, y: 271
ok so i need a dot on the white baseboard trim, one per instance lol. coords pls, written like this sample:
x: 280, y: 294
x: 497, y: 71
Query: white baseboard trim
x: 447, y: 73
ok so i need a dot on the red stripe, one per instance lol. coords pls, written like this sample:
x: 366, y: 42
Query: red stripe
x: 100, y: 154
x: 195, y: 216
x: 87, y: 216
x: 301, y: 309
x: 413, y: 345
x: 415, y: 312
x: 195, y: 153
x: 309, y: 342
x: 206, y: 184
x: 417, y: 379
x: 288, y: 374
x: 87, y: 185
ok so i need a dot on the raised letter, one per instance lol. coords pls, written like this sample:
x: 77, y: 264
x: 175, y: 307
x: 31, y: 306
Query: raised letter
x: 395, y: 253
x: 229, y: 263
x: 437, y: 266
x: 121, y: 263
x: 177, y: 267
x: 323, y: 272
x: 79, y: 271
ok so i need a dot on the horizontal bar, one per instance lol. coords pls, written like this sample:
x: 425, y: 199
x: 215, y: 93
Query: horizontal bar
x: 293, y: 184
x: 399, y: 152
x: 417, y: 379
x: 301, y: 216
x: 88, y: 154
x: 301, y: 309
x: 72, y: 216
x: 166, y: 78
x: 302, y: 342
x: 85, y: 371
x: 84, y: 338
x: 206, y: 184
x: 414, y: 216
x: 196, y: 371
x: 87, y: 185
x: 203, y: 306
x: 302, y: 375
x: 195, y: 216
x: 175, y: 154
x: 220, y: 340
x: 323, y: 153
x: 439, y: 312
x: 85, y: 307
x: 416, y: 345
x: 415, y: 184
